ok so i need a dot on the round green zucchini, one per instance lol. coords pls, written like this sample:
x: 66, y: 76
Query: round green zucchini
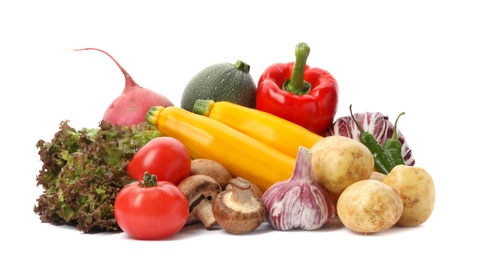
x: 221, y: 82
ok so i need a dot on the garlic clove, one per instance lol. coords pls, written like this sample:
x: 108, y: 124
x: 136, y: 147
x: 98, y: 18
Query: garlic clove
x: 299, y: 202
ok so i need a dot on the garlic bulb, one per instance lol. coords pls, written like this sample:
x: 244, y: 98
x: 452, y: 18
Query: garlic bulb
x: 300, y: 202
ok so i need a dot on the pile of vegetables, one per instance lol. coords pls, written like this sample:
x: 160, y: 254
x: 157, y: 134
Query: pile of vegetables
x: 83, y: 171
x: 234, y: 155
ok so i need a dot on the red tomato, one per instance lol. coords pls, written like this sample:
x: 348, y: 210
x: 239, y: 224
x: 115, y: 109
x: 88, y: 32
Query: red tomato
x: 165, y: 157
x: 151, y: 212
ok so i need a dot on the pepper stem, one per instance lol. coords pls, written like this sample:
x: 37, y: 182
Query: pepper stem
x: 395, y: 132
x: 361, y: 130
x: 296, y: 84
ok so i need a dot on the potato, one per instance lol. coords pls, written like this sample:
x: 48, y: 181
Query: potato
x: 340, y: 161
x: 377, y: 176
x: 334, y: 197
x: 369, y: 206
x: 416, y: 188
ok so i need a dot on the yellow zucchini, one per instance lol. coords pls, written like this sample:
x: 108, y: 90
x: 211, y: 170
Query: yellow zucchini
x: 207, y: 138
x: 281, y: 134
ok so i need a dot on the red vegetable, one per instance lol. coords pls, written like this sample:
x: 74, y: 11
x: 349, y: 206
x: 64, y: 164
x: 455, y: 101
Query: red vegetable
x: 301, y: 94
x: 375, y: 123
x: 151, y: 209
x: 165, y: 157
x: 131, y: 106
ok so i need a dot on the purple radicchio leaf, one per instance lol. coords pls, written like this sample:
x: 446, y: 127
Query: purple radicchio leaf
x: 375, y: 123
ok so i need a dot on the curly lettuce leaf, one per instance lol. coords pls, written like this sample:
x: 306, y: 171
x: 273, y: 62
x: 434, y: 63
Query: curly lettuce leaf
x: 83, y: 171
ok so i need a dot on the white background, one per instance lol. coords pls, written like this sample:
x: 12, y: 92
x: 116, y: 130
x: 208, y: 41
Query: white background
x: 420, y: 57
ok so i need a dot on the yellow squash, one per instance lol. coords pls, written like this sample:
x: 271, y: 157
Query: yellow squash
x: 207, y: 138
x: 272, y: 130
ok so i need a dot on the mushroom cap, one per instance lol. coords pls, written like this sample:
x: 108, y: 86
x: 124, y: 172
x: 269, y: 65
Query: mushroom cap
x: 196, y: 187
x: 238, y: 210
x: 211, y: 168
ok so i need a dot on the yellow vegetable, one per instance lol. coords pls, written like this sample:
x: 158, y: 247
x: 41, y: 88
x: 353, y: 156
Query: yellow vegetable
x: 272, y: 130
x: 369, y: 206
x: 207, y: 138
x: 339, y: 161
x: 416, y: 188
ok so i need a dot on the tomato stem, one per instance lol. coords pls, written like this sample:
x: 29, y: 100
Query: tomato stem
x: 149, y: 180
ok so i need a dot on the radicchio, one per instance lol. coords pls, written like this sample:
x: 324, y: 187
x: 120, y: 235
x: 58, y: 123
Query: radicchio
x: 375, y: 123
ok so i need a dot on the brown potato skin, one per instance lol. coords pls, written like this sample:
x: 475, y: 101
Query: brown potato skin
x: 369, y: 206
x: 416, y: 188
x: 340, y: 161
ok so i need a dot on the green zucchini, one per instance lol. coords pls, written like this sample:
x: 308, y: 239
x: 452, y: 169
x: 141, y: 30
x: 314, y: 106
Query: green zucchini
x: 221, y: 82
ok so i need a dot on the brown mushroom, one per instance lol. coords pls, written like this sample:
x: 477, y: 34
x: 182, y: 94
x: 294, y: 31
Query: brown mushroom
x: 254, y: 188
x: 200, y: 190
x: 237, y: 210
x: 211, y: 168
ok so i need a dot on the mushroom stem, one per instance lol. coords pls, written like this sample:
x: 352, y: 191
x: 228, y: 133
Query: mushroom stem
x: 204, y: 213
x: 200, y: 190
x: 241, y: 191
x: 237, y: 210
x: 255, y: 190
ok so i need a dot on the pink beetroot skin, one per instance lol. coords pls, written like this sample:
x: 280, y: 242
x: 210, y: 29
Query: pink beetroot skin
x: 131, y: 107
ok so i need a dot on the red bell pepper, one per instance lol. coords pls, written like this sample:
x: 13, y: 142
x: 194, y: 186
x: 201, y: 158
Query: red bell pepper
x: 299, y: 93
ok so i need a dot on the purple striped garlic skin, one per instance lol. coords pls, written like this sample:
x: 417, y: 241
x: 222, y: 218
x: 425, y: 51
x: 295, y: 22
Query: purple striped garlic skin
x: 375, y: 123
x: 300, y: 202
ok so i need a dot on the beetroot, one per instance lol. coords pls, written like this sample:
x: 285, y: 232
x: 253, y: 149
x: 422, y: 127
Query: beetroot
x: 131, y: 107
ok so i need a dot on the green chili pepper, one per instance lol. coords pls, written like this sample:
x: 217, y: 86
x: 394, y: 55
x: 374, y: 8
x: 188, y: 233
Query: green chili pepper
x: 381, y: 160
x: 392, y: 147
